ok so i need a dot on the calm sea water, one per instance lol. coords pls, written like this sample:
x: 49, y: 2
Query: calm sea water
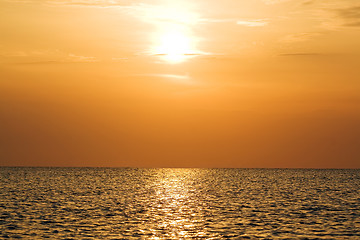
x: 130, y: 203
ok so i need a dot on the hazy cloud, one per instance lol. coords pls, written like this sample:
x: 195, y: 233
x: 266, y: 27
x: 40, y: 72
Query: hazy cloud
x: 172, y: 76
x: 299, y: 54
x: 243, y: 22
x: 299, y: 37
x: 162, y: 75
x: 97, y: 3
x: 183, y: 79
x: 275, y: 1
x: 119, y: 59
x: 270, y: 2
x: 19, y: 1
x: 77, y: 58
x: 46, y: 56
x: 308, y: 2
x: 252, y: 23
x: 350, y: 16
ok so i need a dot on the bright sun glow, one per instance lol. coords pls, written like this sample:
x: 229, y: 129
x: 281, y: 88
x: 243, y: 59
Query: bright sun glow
x: 174, y: 47
x: 173, y: 41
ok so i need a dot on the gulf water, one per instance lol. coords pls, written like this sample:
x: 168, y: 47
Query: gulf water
x: 171, y: 203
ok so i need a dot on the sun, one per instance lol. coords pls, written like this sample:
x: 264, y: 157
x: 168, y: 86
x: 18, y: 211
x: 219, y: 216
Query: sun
x: 173, y: 40
x: 174, y: 47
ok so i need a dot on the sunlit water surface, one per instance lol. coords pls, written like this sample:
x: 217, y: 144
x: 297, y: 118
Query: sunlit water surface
x: 129, y: 203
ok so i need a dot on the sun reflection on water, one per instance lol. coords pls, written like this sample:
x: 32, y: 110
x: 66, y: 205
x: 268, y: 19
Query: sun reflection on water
x: 176, y: 196
x: 132, y: 203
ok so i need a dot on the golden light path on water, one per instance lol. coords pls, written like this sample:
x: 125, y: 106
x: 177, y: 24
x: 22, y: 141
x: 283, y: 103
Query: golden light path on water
x: 179, y: 210
x: 170, y: 203
x: 174, y: 40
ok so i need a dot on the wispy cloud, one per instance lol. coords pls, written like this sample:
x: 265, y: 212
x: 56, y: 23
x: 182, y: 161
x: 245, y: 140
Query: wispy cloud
x: 177, y: 78
x: 19, y: 1
x: 300, y: 37
x: 46, y: 56
x: 89, y: 3
x: 305, y: 54
x: 119, y: 59
x: 195, y: 54
x: 162, y: 75
x: 76, y: 58
x: 275, y: 1
x: 252, y: 23
x: 271, y: 2
x: 180, y: 77
x: 243, y: 22
x: 308, y: 2
x: 350, y: 16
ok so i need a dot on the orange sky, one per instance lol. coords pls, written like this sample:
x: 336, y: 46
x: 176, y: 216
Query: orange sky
x: 253, y: 83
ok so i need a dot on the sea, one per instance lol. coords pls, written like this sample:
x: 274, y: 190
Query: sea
x: 179, y: 203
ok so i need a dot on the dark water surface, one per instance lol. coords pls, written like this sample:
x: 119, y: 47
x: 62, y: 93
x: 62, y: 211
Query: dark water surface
x: 130, y: 203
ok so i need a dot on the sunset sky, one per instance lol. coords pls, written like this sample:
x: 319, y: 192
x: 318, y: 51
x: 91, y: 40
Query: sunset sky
x: 165, y: 83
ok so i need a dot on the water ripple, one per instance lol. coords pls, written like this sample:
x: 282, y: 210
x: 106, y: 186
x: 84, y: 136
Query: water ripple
x: 130, y: 203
